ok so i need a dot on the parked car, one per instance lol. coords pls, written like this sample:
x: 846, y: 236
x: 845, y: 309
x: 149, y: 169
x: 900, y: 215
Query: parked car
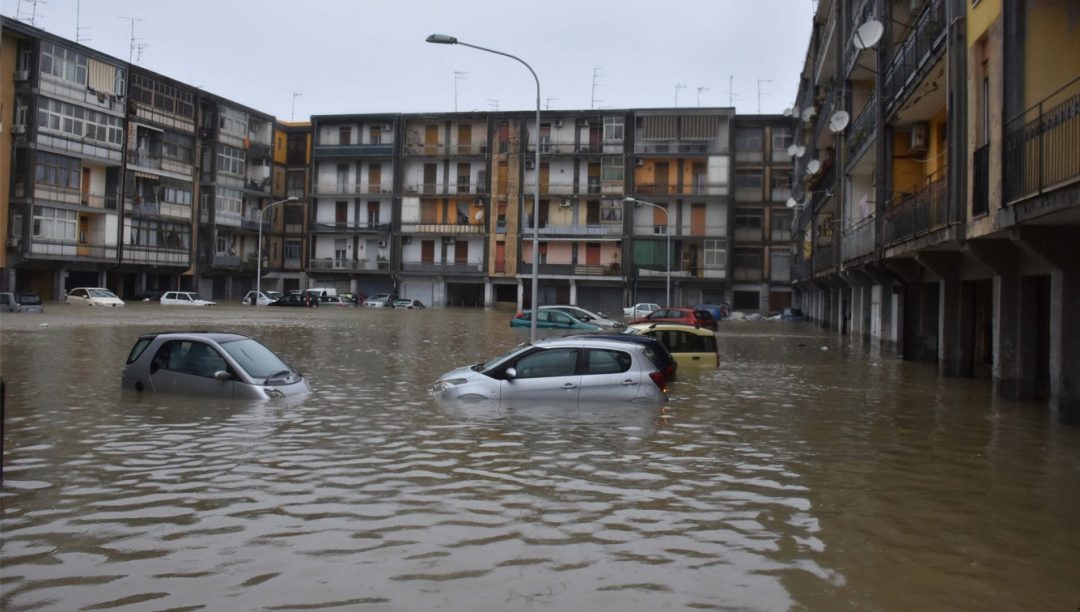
x: 184, y: 298
x: 586, y: 316
x: 356, y: 298
x: 718, y: 311
x: 563, y: 370
x: 662, y: 358
x: 409, y: 304
x: 260, y: 298
x: 689, y: 316
x: 149, y: 296
x: 793, y: 314
x: 381, y: 300
x: 334, y: 300
x: 8, y: 303
x: 294, y: 299
x: 210, y: 363
x: 93, y: 296
x: 28, y: 301
x: 640, y: 310
x: 551, y: 319
x: 691, y: 346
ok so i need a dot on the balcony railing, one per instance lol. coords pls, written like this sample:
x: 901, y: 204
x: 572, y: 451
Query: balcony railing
x: 68, y: 196
x: 917, y: 213
x: 439, y: 189
x: 155, y: 255
x: 1042, y: 145
x: 858, y: 238
x: 980, y: 188
x: 698, y: 188
x: 441, y: 228
x: 476, y: 148
x: 381, y: 150
x: 927, y: 36
x: 576, y: 230
x: 823, y: 258
x: 613, y: 270
x: 71, y: 250
x: 863, y: 128
x: 672, y: 146
x: 442, y: 268
x: 144, y: 160
x: 338, y: 228
x: 329, y: 264
x: 329, y: 189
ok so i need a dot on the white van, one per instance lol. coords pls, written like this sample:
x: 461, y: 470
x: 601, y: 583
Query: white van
x: 321, y: 291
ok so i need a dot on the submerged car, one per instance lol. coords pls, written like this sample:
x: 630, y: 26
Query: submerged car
x: 28, y: 301
x: 184, y: 298
x: 551, y: 319
x: 381, y: 300
x: 793, y: 314
x: 661, y: 357
x: 691, y: 346
x: 689, y: 316
x: 409, y: 304
x: 210, y: 363
x: 560, y: 369
x: 260, y: 298
x: 585, y: 316
x: 640, y: 310
x: 293, y: 299
x: 93, y: 296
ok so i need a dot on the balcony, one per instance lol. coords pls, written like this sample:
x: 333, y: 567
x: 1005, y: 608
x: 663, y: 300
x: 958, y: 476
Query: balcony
x: 156, y: 255
x: 700, y: 147
x: 695, y: 188
x: 351, y: 228
x: 915, y: 53
x: 360, y: 150
x: 144, y: 160
x: 63, y: 195
x: 614, y: 270
x: 656, y: 271
x: 858, y: 239
x: 451, y: 190
x: 349, y: 190
x: 329, y: 264
x: 917, y: 213
x: 861, y: 15
x: 862, y: 129
x: 582, y: 231
x: 42, y: 247
x: 1042, y: 146
x: 444, y: 150
x: 441, y: 228
x: 823, y: 259
x: 442, y: 268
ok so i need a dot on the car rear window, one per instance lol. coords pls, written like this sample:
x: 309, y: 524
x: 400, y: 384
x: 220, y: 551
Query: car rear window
x: 607, y: 361
x: 686, y: 342
x: 30, y: 299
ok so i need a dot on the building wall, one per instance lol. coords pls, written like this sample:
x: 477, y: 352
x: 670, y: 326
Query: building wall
x: 8, y: 54
x: 1050, y: 56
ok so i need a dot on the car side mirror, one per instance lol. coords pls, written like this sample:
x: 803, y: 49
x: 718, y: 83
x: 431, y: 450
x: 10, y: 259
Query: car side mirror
x: 222, y: 375
x: 511, y: 373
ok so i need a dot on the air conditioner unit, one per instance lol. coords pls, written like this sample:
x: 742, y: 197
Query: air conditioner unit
x: 583, y: 122
x: 382, y: 244
x: 919, y: 137
x: 565, y: 203
x: 530, y: 164
x: 22, y: 75
x: 557, y: 123
x: 639, y: 162
x: 14, y: 243
x: 18, y: 128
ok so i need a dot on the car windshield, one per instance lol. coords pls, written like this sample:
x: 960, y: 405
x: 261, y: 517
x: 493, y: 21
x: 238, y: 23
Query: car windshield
x: 494, y: 361
x: 29, y: 299
x: 101, y: 293
x: 257, y: 360
x: 273, y: 295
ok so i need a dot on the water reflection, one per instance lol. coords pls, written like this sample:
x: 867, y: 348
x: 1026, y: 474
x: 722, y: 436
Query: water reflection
x: 803, y: 473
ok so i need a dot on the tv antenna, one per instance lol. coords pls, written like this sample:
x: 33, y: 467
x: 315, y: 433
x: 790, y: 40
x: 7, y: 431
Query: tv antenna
x: 79, y: 38
x: 547, y: 103
x: 699, y: 90
x: 678, y: 86
x: 138, y: 52
x: 493, y: 103
x: 759, y: 82
x: 459, y: 75
x: 292, y: 113
x: 596, y: 74
x: 731, y: 91
x: 131, y: 48
x: 32, y: 19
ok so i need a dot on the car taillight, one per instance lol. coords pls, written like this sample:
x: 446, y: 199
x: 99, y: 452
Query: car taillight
x: 658, y: 378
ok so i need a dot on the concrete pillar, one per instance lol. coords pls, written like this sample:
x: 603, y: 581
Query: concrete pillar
x: 520, y: 295
x: 489, y: 293
x: 1065, y: 341
x: 956, y: 304
x: 573, y: 291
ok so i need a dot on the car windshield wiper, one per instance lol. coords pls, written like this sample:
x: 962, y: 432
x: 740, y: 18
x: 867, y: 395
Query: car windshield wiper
x: 281, y: 373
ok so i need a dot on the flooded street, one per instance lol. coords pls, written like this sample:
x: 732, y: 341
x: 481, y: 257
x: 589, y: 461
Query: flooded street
x: 804, y: 473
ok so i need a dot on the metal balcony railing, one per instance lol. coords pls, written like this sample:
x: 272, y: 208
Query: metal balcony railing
x: 442, y: 228
x: 351, y: 227
x: 858, y: 239
x: 926, y: 38
x: 381, y: 150
x: 421, y: 149
x: 1042, y: 145
x: 863, y: 128
x: 823, y: 258
x: 912, y: 214
x: 861, y: 15
x: 332, y: 189
x: 673, y: 146
x: 576, y: 230
x: 442, y: 268
x: 698, y: 188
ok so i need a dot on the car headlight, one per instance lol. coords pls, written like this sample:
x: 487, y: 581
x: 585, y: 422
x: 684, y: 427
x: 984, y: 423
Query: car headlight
x: 444, y: 385
x: 273, y: 393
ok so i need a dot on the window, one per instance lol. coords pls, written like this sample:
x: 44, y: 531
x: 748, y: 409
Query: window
x: 613, y: 129
x: 63, y: 63
x: 82, y: 123
x: 233, y: 122
x: 344, y: 135
x: 611, y: 169
x: 780, y: 265
x: 376, y: 135
x: 781, y: 186
x: 781, y: 140
x: 748, y: 219
x: 231, y: 160
x: 189, y: 357
x: 151, y: 233
x: 294, y: 180
x: 57, y: 170
x: 292, y: 249
x: 177, y: 192
x: 228, y: 201
x: 604, y: 361
x: 54, y: 223
x: 162, y: 96
x: 715, y: 255
x: 748, y: 185
x: 611, y: 211
x: 748, y: 144
x: 747, y: 259
x: 548, y: 363
x: 178, y: 147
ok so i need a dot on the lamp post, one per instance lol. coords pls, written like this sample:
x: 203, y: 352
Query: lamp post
x: 443, y: 39
x: 667, y: 232
x: 258, y: 262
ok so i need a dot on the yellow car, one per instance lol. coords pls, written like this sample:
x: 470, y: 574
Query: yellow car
x: 691, y: 346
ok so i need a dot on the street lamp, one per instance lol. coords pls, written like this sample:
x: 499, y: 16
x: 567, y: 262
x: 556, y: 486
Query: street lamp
x: 258, y: 263
x: 443, y: 39
x: 667, y: 232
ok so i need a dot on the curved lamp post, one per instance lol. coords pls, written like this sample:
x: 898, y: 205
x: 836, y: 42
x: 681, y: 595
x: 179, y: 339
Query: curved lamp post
x: 667, y: 232
x: 258, y: 263
x: 443, y: 39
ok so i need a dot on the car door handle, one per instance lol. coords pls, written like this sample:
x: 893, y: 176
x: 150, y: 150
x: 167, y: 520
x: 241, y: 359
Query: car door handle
x: 628, y: 382
x: 569, y: 386
x: 696, y: 358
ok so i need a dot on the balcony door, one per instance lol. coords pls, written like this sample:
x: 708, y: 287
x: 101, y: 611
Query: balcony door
x: 431, y: 139
x: 592, y: 254
x: 341, y: 213
x: 430, y: 177
x: 461, y: 253
x: 697, y: 220
x: 86, y: 186
x: 374, y: 178
x: 662, y: 178
x: 427, y: 252
x: 372, y: 214
x: 464, y: 138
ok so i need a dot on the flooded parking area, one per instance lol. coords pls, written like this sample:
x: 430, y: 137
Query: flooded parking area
x: 803, y: 473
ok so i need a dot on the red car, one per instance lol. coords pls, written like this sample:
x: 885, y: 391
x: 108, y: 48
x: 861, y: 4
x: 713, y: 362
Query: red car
x: 688, y: 316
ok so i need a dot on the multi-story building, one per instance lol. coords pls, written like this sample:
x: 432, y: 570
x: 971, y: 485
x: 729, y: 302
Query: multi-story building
x: 356, y: 195
x: 938, y: 191
x: 761, y: 236
x: 285, y: 259
x: 681, y: 164
x: 67, y: 138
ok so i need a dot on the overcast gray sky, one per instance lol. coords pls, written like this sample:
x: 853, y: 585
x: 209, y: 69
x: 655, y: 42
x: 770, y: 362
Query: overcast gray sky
x: 366, y: 56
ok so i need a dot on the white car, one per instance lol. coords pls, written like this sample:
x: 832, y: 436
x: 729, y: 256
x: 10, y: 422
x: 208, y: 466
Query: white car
x: 260, y: 298
x: 640, y: 310
x: 586, y: 316
x: 93, y: 296
x: 578, y: 369
x: 184, y: 298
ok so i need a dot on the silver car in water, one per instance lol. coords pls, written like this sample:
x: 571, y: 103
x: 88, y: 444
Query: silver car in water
x: 210, y: 363
x: 561, y: 369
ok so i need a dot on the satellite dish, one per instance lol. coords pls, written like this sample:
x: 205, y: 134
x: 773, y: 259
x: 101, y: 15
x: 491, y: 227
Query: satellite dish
x: 839, y: 121
x: 813, y: 167
x: 792, y: 150
x: 808, y: 113
x: 800, y: 151
x: 793, y: 112
x: 868, y: 34
x: 791, y: 203
x: 787, y: 112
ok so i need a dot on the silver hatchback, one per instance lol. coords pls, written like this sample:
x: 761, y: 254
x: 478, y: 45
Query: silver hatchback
x: 210, y: 363
x: 563, y: 370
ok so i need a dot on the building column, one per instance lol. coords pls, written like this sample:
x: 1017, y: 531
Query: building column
x: 520, y: 295
x: 955, y: 306
x: 489, y: 293
x: 573, y: 292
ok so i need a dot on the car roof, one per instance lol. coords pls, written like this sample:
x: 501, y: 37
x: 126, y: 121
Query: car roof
x: 207, y: 335
x: 694, y: 329
x: 583, y: 341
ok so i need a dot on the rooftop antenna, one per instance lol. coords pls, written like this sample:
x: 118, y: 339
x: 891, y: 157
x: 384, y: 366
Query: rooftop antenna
x: 32, y: 19
x: 79, y: 38
x: 759, y: 82
x: 699, y: 90
x: 547, y: 103
x: 678, y: 86
x: 595, y: 83
x: 731, y: 91
x: 131, y: 48
x: 493, y: 103
x: 459, y: 75
x: 138, y: 52
x: 292, y: 113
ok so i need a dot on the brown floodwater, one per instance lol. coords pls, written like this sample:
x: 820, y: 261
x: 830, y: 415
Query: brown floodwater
x: 808, y: 472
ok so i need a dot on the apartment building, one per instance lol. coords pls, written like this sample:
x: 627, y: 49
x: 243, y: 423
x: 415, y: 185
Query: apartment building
x: 285, y: 261
x: 937, y: 190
